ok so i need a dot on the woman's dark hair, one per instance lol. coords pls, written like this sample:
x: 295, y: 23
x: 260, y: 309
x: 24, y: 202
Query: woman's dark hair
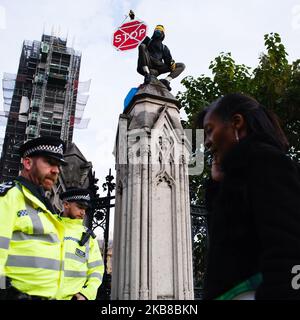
x: 258, y: 119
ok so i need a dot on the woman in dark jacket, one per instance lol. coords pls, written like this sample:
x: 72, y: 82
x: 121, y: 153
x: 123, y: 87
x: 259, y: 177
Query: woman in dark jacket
x: 254, y: 196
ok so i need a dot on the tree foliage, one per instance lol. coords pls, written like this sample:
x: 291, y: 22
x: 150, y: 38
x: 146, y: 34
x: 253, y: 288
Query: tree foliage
x: 274, y: 82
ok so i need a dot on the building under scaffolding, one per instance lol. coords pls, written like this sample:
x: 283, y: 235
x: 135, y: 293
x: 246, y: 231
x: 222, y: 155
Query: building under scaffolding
x: 45, y: 98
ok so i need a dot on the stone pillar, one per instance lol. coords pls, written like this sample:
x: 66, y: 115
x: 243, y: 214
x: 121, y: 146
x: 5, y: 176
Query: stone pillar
x: 152, y: 250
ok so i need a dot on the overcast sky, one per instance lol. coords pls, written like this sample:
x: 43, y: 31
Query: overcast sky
x: 196, y: 32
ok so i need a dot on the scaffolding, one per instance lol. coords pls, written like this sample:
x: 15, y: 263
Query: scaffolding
x: 82, y: 99
x: 42, y: 99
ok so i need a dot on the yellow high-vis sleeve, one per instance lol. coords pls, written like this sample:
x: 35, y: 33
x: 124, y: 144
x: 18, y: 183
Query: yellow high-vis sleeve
x: 8, y: 210
x: 95, y: 271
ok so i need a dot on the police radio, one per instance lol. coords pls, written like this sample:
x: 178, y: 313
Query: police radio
x: 85, y: 237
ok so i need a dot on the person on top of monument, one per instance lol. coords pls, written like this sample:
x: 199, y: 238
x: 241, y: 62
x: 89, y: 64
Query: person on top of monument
x: 155, y: 59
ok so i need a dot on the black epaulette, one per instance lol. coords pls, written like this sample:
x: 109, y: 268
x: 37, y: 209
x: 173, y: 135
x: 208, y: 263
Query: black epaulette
x: 4, y: 187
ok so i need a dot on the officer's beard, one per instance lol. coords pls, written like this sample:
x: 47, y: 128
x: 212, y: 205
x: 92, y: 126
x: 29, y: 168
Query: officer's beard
x: 46, y: 181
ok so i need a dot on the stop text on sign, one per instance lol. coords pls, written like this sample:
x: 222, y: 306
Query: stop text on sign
x: 129, y: 35
x: 121, y: 37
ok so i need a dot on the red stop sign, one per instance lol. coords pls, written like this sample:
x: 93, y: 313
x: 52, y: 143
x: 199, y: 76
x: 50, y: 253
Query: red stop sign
x: 129, y: 35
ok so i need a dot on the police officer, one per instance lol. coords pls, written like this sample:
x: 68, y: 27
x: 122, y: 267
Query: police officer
x: 31, y: 235
x: 83, y: 262
x: 155, y: 59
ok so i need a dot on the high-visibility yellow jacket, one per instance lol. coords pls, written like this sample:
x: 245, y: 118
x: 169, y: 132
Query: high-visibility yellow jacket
x: 84, y: 267
x: 31, y: 243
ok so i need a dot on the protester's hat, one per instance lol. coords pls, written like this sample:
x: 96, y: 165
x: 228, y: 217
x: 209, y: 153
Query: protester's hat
x: 81, y: 196
x: 160, y: 28
x: 49, y: 147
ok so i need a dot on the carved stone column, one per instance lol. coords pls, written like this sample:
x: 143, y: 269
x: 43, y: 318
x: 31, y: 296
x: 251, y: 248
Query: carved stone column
x: 152, y: 252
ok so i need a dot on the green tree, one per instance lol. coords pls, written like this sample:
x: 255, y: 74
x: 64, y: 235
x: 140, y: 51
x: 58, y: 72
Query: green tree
x: 275, y: 83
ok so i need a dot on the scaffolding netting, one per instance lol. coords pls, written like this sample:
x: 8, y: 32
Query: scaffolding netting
x: 82, y: 99
x: 8, y: 85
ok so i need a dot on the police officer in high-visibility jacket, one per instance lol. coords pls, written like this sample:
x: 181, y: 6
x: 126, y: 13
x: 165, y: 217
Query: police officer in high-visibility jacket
x: 31, y: 234
x: 83, y: 262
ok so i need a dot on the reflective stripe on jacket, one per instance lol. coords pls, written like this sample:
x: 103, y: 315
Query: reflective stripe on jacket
x: 31, y: 243
x: 83, y: 264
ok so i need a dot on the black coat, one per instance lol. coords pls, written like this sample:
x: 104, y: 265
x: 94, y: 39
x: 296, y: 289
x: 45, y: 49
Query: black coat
x: 254, y: 225
x: 158, y: 51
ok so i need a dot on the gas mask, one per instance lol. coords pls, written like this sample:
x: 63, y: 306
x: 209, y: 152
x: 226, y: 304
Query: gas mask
x: 157, y: 34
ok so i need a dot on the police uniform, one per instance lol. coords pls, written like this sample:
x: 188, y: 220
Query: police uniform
x: 83, y: 262
x: 31, y: 235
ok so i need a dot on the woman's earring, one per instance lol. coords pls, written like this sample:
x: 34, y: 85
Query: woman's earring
x: 237, y: 136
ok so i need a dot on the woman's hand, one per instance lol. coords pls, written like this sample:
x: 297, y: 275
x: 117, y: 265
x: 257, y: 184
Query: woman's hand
x: 79, y: 296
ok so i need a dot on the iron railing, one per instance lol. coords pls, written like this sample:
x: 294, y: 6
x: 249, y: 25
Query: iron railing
x: 199, y: 246
x: 101, y: 218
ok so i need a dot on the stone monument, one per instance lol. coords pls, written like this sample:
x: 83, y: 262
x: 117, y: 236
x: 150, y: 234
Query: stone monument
x: 152, y: 247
